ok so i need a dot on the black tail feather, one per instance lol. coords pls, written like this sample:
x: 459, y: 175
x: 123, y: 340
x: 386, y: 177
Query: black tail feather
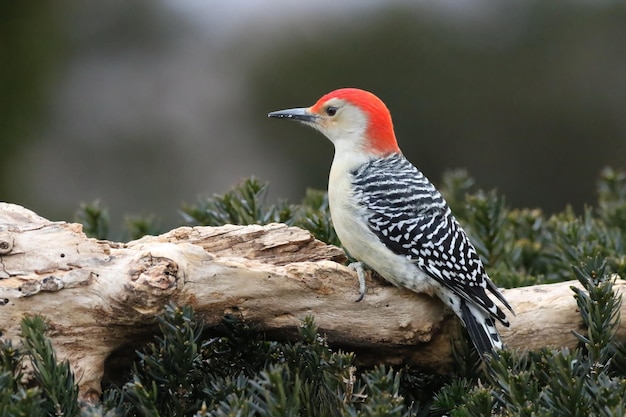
x: 481, y: 329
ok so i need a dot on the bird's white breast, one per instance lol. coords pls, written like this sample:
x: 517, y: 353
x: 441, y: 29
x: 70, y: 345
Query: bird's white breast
x: 355, y: 235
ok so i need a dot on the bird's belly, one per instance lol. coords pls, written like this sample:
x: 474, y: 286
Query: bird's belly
x: 364, y: 246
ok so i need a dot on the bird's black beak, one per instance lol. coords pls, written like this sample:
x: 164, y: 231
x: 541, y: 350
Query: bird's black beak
x: 301, y: 115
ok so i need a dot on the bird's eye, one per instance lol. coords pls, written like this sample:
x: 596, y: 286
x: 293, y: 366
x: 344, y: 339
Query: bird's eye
x: 331, y: 111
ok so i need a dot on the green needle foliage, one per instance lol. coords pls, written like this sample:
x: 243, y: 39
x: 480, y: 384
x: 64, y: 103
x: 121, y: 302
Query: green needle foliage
x: 95, y: 219
x: 611, y: 197
x: 314, y: 217
x: 163, y: 378
x: 139, y: 226
x: 242, y: 374
x: 245, y: 204
x: 53, y: 391
x: 15, y: 398
x: 60, y: 392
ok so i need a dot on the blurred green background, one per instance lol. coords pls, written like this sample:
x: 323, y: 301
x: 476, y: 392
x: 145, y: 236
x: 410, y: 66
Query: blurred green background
x: 147, y: 104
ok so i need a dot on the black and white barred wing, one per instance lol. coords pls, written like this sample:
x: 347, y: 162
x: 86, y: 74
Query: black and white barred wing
x: 411, y: 218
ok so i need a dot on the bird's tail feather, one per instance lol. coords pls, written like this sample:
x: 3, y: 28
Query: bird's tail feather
x: 481, y: 328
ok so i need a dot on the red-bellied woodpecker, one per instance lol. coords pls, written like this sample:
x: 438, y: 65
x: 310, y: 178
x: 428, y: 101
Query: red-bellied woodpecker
x: 391, y: 218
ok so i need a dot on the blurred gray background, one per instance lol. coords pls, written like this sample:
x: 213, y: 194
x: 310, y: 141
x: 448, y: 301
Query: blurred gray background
x: 147, y: 104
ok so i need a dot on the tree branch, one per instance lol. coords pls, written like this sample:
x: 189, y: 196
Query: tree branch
x: 99, y: 296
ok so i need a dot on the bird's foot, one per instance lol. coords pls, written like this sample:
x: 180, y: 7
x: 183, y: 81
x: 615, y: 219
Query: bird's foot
x: 359, y: 267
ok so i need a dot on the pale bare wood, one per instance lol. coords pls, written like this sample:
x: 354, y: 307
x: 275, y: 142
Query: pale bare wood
x: 99, y: 296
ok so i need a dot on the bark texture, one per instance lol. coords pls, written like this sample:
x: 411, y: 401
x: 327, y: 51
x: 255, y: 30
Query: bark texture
x: 100, y: 296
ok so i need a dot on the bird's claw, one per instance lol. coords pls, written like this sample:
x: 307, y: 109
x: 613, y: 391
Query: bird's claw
x: 360, y: 272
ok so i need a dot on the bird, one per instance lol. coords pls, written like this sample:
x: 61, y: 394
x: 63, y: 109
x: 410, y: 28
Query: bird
x: 393, y: 220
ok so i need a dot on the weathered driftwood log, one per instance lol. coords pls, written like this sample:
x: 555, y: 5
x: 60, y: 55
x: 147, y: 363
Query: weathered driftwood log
x: 100, y: 296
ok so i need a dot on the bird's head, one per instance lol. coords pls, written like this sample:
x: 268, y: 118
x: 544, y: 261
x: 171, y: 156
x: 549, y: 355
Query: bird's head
x: 352, y: 119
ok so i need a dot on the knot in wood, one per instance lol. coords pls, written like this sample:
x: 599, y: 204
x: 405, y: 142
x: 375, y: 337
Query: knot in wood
x: 30, y: 287
x: 156, y: 272
x: 6, y: 243
x: 51, y: 283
